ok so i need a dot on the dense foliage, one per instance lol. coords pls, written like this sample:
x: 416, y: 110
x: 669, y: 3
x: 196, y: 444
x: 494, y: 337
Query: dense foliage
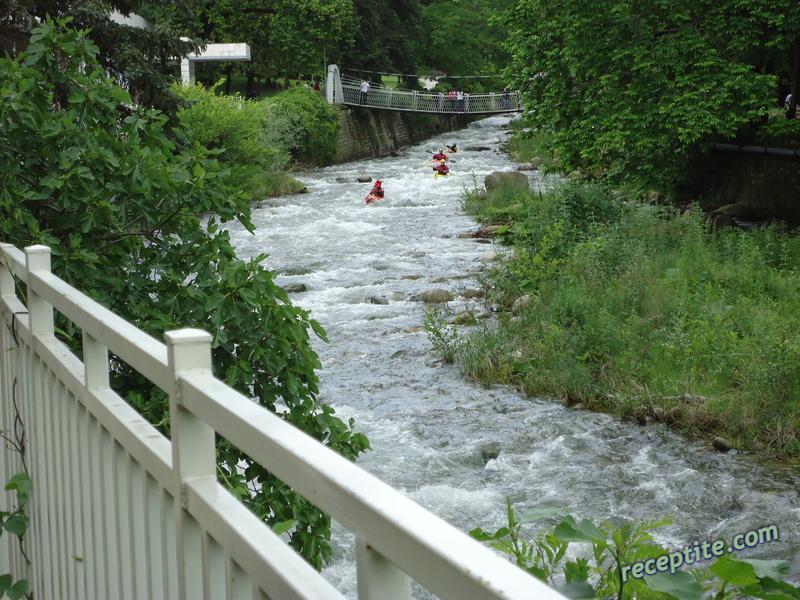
x: 607, y: 554
x: 465, y: 38
x: 629, y: 89
x: 136, y: 56
x: 285, y: 38
x: 101, y: 184
x: 643, y: 311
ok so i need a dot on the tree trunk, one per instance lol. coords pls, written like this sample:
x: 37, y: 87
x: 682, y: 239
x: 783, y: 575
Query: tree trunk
x: 228, y: 72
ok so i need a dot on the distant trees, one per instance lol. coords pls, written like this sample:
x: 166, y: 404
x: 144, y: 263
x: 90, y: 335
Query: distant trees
x: 466, y: 38
x: 629, y: 89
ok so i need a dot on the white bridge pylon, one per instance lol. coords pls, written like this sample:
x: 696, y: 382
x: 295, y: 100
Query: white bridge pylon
x: 213, y: 53
x: 344, y: 90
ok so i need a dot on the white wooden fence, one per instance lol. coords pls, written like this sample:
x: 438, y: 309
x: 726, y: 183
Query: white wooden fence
x: 118, y: 511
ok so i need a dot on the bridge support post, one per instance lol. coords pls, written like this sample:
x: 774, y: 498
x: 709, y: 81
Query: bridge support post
x: 333, y: 85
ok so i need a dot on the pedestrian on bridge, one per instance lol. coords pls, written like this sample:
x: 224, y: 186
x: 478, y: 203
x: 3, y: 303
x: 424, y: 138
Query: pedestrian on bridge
x: 364, y: 90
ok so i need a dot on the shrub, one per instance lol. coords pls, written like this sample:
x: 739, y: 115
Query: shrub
x: 249, y: 136
x: 313, y: 128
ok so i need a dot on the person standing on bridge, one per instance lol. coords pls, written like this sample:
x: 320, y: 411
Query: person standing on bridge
x: 364, y: 90
x: 460, y: 99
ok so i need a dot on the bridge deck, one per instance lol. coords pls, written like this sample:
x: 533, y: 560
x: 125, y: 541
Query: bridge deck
x: 427, y: 102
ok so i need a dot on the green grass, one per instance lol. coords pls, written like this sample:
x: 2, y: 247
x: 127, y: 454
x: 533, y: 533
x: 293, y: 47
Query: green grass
x: 644, y: 312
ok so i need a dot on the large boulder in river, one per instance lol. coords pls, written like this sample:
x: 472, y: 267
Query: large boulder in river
x: 435, y: 296
x: 506, y: 178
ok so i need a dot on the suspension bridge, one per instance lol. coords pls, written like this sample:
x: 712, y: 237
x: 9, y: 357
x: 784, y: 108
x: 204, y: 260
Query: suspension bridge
x: 341, y: 89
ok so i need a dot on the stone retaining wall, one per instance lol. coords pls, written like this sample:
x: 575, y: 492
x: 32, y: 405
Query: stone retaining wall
x: 369, y: 133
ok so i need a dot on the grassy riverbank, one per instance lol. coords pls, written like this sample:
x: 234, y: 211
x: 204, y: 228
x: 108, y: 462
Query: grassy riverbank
x: 642, y: 311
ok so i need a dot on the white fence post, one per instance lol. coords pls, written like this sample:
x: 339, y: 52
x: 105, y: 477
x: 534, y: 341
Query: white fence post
x: 193, y: 452
x: 378, y: 578
x: 41, y: 312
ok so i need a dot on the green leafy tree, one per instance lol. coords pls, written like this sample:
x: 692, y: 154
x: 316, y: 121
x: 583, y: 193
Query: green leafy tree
x: 139, y: 57
x: 102, y: 185
x: 388, y: 37
x: 285, y: 38
x: 631, y: 89
x: 464, y: 37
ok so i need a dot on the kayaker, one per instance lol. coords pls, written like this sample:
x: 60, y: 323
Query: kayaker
x: 440, y: 155
x: 441, y: 169
x: 377, y: 190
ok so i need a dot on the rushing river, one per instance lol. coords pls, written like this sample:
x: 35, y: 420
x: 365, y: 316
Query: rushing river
x: 456, y: 448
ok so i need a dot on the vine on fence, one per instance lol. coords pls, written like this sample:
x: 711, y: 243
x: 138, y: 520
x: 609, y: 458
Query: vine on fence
x: 15, y: 521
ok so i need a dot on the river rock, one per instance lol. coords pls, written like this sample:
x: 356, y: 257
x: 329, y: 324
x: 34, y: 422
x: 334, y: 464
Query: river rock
x: 344, y: 180
x: 478, y: 148
x: 295, y: 288
x: 472, y: 293
x: 738, y: 210
x: 490, y: 452
x: 489, y: 230
x: 520, y: 304
x: 510, y: 178
x: 436, y: 296
x: 722, y: 444
x: 465, y: 317
x: 364, y: 179
x: 489, y: 257
x: 386, y: 298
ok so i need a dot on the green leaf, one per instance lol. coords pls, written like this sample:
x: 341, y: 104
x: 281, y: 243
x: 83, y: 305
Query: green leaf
x: 16, y: 524
x: 284, y: 526
x: 774, y: 569
x: 21, y: 482
x: 681, y: 585
x: 571, y: 531
x: 734, y: 571
x: 769, y: 589
x: 537, y: 514
x: 18, y: 590
x: 576, y: 590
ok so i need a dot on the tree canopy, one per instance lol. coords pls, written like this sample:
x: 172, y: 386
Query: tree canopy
x: 99, y: 181
x: 138, y: 57
x: 630, y: 89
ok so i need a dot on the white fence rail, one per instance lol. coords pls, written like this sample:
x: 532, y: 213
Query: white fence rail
x: 118, y: 511
x: 344, y: 90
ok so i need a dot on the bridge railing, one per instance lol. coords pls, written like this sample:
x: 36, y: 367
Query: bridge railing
x: 429, y: 102
x: 120, y: 511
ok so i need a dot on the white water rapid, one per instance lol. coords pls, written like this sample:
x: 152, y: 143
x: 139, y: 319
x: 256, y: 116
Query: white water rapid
x: 456, y: 448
